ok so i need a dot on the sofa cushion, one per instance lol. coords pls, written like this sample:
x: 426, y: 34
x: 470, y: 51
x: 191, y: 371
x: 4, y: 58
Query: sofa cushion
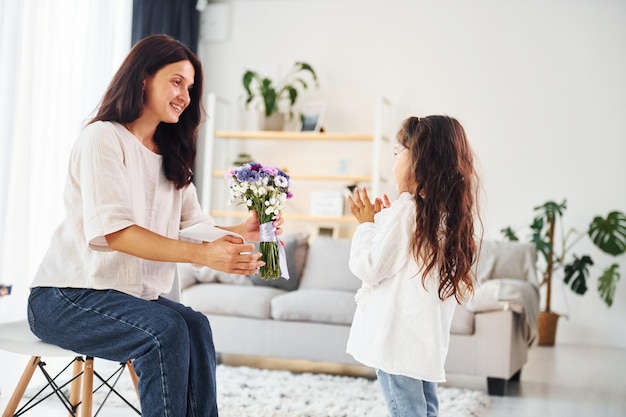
x: 503, y: 259
x: 190, y: 275
x: 320, y: 306
x: 296, y: 248
x: 233, y: 300
x: 327, y: 266
x: 233, y: 279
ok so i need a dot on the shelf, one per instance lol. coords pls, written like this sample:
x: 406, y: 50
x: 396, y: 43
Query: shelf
x: 372, y: 151
x: 317, y: 177
x: 294, y: 136
x: 287, y: 216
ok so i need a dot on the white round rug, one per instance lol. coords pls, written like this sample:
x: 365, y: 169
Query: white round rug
x: 251, y: 392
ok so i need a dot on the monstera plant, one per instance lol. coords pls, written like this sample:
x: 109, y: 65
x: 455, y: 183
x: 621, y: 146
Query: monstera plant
x: 607, y: 233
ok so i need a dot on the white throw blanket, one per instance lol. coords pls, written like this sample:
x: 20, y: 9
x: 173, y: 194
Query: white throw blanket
x: 506, y: 273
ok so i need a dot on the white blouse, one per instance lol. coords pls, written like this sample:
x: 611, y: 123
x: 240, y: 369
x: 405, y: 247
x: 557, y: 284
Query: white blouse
x: 399, y: 326
x: 114, y: 182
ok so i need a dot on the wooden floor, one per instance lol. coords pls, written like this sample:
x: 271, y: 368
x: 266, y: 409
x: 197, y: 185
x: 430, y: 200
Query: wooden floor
x: 563, y: 381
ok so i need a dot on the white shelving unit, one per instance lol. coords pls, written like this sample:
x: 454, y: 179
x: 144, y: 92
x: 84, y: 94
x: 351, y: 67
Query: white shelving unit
x: 380, y: 149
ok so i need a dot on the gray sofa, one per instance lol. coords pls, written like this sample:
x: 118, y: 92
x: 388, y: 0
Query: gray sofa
x: 308, y: 317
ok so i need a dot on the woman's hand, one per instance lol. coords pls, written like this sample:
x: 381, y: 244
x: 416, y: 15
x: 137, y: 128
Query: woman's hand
x: 229, y: 254
x: 250, y: 228
x: 362, y: 208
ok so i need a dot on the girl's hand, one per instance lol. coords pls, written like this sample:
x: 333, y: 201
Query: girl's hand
x: 381, y: 203
x: 361, y: 207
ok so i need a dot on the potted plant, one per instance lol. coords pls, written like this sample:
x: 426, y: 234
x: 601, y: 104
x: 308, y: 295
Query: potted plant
x: 607, y: 234
x: 272, y: 94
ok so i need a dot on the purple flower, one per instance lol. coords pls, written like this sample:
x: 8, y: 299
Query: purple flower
x: 246, y: 175
x: 263, y: 174
x: 255, y: 166
x: 273, y: 171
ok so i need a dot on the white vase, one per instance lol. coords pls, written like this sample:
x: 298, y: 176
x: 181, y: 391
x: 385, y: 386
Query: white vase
x: 276, y: 122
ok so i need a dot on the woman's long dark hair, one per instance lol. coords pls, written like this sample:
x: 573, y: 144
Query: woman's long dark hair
x: 124, y: 100
x: 446, y: 188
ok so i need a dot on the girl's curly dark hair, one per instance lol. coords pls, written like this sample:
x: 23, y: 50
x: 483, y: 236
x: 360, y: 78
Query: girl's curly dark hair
x: 446, y: 184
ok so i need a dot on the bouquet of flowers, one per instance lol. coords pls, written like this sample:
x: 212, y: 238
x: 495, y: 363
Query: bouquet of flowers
x: 264, y: 189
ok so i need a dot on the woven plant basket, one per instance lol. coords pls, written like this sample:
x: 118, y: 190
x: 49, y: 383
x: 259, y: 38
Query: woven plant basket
x: 546, y: 327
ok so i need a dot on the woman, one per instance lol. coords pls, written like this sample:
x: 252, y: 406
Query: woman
x: 129, y: 192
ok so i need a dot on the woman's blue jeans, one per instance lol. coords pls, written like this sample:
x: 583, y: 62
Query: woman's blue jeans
x: 408, y: 397
x: 171, y: 344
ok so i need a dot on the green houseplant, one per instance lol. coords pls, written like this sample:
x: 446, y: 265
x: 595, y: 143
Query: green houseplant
x: 607, y: 234
x: 271, y: 93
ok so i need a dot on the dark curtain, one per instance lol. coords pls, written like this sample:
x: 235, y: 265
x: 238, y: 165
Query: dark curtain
x: 177, y: 18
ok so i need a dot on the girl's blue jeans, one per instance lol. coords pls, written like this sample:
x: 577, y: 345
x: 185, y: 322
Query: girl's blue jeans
x: 408, y: 397
x: 171, y: 344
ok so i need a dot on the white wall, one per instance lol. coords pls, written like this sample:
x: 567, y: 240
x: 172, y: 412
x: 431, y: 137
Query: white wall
x: 539, y: 86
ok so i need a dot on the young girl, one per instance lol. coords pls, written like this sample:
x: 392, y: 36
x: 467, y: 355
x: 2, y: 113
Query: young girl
x: 129, y: 192
x: 414, y: 257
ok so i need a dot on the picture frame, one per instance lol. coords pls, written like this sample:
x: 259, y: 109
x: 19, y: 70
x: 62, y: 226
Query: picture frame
x: 327, y: 203
x: 311, y: 116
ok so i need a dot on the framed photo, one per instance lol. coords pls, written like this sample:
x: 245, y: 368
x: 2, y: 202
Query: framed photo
x: 327, y: 203
x: 311, y: 116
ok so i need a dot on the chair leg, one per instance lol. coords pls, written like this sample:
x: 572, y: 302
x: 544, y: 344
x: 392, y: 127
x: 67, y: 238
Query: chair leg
x: 87, y: 388
x: 133, y: 375
x: 75, y: 388
x: 18, y: 393
x: 81, y: 386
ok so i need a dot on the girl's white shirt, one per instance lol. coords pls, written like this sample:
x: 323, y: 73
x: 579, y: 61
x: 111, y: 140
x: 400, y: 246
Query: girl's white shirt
x: 399, y: 326
x: 114, y: 182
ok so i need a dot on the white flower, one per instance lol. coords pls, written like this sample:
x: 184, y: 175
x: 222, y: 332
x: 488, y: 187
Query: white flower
x: 281, y: 181
x: 249, y: 203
